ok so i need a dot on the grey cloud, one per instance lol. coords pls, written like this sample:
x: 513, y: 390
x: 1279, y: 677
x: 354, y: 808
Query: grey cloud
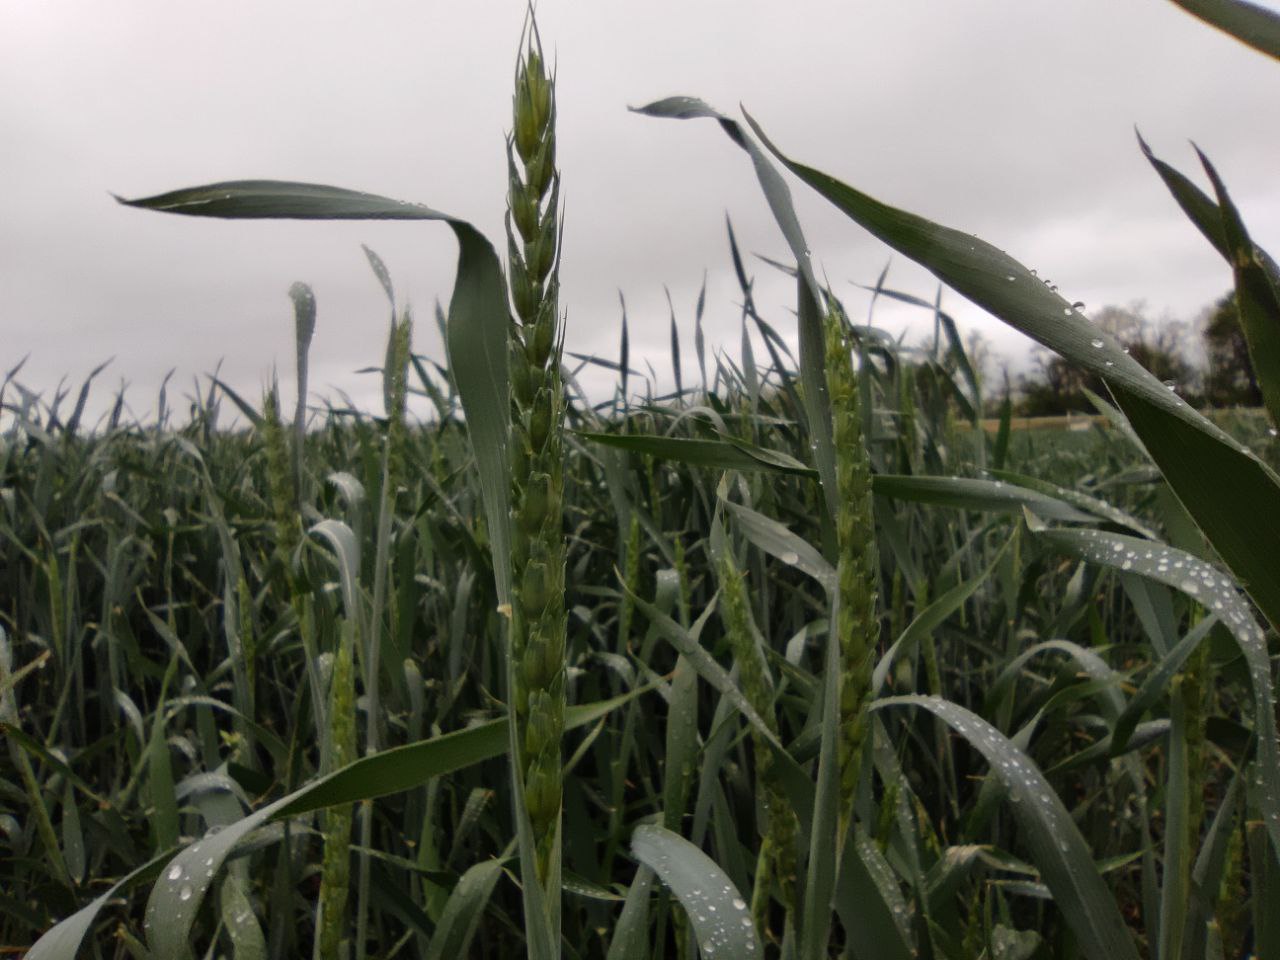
x: 1010, y: 119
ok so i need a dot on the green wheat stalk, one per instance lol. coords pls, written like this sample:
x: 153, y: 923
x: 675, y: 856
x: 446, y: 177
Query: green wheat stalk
x: 396, y: 387
x: 857, y: 623
x: 776, y: 866
x: 335, y: 877
x: 537, y: 484
x: 280, y: 479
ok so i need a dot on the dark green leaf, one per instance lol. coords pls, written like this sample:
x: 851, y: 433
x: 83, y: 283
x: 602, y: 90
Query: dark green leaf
x: 1247, y: 22
x: 715, y: 908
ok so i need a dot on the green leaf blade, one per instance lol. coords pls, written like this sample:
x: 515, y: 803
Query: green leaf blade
x: 1057, y: 847
x: 1247, y: 22
x: 716, y: 909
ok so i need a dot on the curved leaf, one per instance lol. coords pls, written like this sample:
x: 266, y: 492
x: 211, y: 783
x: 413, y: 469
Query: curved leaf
x: 1247, y: 22
x: 969, y: 493
x: 1231, y: 494
x: 1082, y: 501
x: 716, y: 909
x: 347, y: 551
x: 1206, y: 585
x: 476, y: 330
x: 817, y: 404
x: 463, y: 911
x: 720, y: 454
x: 186, y: 878
x: 630, y: 938
x: 775, y: 539
x: 62, y: 940
x: 1057, y: 848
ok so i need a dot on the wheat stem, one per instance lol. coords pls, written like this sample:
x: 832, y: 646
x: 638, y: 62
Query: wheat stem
x: 537, y: 556
x: 857, y: 569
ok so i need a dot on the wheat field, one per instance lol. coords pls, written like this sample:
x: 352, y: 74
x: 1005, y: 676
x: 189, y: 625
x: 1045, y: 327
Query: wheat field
x: 797, y: 660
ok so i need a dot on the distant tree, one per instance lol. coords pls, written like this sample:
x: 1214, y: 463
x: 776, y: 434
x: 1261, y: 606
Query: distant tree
x: 1229, y: 380
x: 978, y: 349
x: 1058, y: 385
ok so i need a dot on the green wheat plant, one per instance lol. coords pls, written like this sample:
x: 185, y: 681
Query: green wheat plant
x: 537, y: 460
x: 798, y: 664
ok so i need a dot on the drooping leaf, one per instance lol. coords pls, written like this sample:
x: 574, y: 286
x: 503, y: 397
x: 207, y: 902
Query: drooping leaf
x: 478, y: 313
x: 975, y: 494
x: 1057, y: 847
x: 464, y: 911
x: 1248, y: 22
x: 1216, y: 591
x: 811, y: 301
x: 185, y: 879
x: 715, y: 908
x: 721, y: 454
x: 1230, y: 493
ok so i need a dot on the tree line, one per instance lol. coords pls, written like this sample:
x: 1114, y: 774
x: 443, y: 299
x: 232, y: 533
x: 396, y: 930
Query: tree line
x: 1217, y: 375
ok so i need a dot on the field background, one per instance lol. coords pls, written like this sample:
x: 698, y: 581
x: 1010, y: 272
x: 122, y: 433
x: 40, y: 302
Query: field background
x: 796, y: 660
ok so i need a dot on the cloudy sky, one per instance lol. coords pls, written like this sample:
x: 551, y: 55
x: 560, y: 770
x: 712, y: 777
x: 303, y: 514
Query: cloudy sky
x: 1012, y: 119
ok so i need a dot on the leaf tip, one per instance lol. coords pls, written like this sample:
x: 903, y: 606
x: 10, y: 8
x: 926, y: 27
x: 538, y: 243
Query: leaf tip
x: 1142, y: 144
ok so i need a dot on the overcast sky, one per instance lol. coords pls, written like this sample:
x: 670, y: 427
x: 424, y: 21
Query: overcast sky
x: 1012, y: 119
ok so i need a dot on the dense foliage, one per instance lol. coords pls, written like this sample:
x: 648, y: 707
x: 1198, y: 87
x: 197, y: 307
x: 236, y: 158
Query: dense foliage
x: 845, y: 674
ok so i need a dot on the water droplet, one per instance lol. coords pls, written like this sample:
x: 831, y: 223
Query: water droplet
x: 790, y: 558
x: 1272, y: 432
x: 1170, y: 386
x: 1096, y: 343
x: 186, y: 892
x: 1078, y: 305
x: 739, y: 903
x: 1110, y: 363
x: 175, y: 872
x: 1011, y: 278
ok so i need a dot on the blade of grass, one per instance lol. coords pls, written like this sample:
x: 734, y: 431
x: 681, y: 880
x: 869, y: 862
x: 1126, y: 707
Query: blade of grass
x: 464, y: 911
x: 817, y: 406
x: 1249, y: 23
x: 478, y: 315
x: 715, y: 907
x: 392, y: 771
x: 1057, y: 847
x: 1231, y: 494
x: 721, y: 454
x: 1206, y: 585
